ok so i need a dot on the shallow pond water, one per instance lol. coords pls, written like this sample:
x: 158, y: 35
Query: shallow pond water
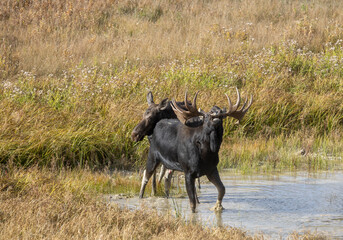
x: 275, y: 205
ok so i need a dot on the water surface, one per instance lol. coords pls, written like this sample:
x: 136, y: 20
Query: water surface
x: 273, y: 205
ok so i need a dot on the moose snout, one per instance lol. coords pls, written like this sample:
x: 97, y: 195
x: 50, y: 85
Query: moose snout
x: 135, y: 136
x: 216, y: 121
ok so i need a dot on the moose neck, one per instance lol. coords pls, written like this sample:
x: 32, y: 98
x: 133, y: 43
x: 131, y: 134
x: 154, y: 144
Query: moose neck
x: 210, y: 135
x: 167, y: 113
x: 216, y: 137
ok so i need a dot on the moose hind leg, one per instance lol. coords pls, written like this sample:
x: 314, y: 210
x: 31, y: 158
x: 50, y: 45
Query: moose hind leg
x: 153, y: 185
x: 196, y: 195
x: 190, y: 187
x: 215, y: 179
x: 162, y: 172
x: 167, y: 182
x: 148, y: 172
x: 145, y: 181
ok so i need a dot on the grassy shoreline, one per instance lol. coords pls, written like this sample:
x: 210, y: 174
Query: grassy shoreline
x: 74, y: 77
x: 86, y: 116
x: 39, y: 203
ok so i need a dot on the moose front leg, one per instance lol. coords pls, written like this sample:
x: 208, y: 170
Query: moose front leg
x: 215, y: 179
x: 190, y: 187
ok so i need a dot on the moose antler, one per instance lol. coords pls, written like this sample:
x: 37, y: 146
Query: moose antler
x: 191, y: 109
x: 233, y: 112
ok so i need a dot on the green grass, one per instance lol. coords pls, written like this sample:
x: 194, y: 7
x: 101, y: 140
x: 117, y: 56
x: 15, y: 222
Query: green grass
x: 300, y: 151
x: 64, y: 108
x: 85, y: 116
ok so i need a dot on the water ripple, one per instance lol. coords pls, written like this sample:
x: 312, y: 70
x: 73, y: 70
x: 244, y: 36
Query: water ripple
x: 274, y: 205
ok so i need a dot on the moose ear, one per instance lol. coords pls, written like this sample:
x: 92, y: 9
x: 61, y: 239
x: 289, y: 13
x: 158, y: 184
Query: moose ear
x: 150, y: 98
x: 163, y: 104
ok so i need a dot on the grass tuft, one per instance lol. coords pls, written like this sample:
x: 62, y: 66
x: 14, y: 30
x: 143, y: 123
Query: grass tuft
x: 74, y: 76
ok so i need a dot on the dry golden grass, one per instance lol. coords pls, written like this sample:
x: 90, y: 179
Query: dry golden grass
x: 48, y: 36
x: 74, y: 74
x: 73, y: 80
x: 41, y: 204
x: 45, y: 204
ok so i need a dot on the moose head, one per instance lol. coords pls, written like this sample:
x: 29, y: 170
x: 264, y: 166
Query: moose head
x: 151, y: 116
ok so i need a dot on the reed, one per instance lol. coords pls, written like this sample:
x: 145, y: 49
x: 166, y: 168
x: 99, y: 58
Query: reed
x: 74, y: 77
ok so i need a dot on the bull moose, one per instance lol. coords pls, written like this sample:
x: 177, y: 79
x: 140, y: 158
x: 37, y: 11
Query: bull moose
x: 153, y: 114
x: 193, y: 150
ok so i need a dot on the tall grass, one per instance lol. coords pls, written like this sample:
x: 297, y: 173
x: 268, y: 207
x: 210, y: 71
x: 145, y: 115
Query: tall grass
x: 49, y: 36
x: 37, y: 203
x: 44, y: 204
x: 74, y: 76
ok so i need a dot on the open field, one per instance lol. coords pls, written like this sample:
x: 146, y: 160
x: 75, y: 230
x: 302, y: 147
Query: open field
x: 74, y: 75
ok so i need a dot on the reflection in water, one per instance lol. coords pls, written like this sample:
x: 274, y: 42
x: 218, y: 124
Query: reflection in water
x: 274, y: 205
x: 196, y: 217
x: 219, y: 219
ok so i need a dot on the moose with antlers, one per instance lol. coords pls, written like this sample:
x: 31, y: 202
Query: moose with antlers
x: 181, y: 146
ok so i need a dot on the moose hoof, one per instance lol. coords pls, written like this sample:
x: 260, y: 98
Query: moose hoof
x: 218, y: 207
x: 193, y: 208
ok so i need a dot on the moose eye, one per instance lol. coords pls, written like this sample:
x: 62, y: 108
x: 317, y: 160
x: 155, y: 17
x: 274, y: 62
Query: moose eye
x: 146, y: 114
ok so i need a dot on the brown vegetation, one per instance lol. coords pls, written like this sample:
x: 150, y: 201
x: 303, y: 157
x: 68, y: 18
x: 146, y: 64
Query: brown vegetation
x: 74, y: 76
x: 49, y: 36
x: 73, y: 79
x: 36, y: 204
x: 44, y: 204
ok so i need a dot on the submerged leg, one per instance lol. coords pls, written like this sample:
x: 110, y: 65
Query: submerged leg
x: 199, y: 183
x: 148, y: 172
x: 215, y: 179
x: 162, y: 172
x: 145, y: 181
x: 167, y: 182
x: 196, y: 195
x: 153, y: 187
x: 190, y: 187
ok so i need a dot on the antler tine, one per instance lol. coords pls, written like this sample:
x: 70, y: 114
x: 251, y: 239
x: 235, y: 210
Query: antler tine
x: 233, y: 112
x: 240, y: 114
x: 245, y: 103
x: 194, y: 105
x: 186, y: 99
x: 191, y: 110
x: 235, y: 107
x: 176, y: 107
x: 230, y: 104
x: 249, y: 105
